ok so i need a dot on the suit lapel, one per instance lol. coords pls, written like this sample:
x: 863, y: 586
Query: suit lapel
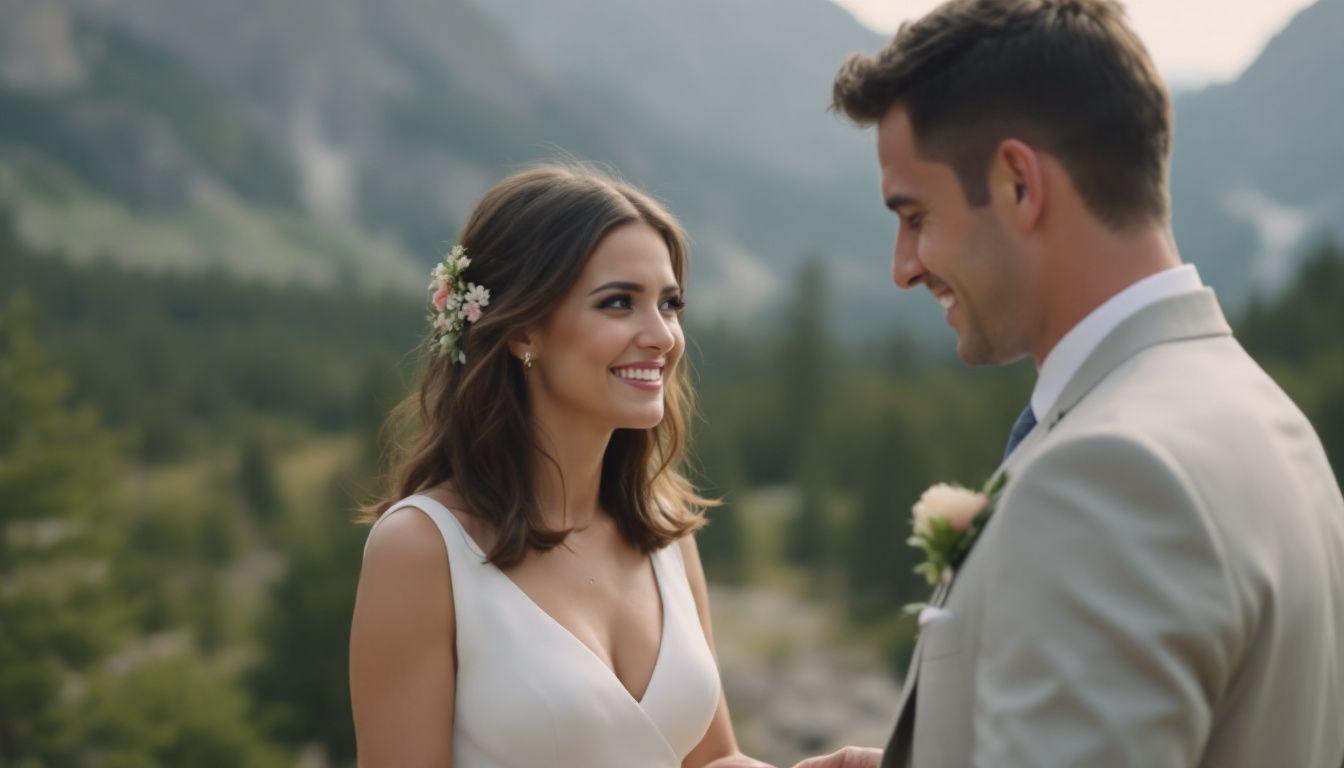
x: 1188, y: 316
x: 899, y: 744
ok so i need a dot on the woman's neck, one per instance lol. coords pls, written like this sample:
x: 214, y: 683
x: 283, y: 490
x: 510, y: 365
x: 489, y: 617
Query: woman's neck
x: 567, y: 470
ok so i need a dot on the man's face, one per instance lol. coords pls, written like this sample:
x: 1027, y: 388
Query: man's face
x: 962, y: 255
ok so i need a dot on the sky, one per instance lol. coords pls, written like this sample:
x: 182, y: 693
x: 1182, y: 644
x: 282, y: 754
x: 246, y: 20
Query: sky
x: 1194, y: 42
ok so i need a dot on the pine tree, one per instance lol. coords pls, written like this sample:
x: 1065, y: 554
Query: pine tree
x: 722, y: 542
x: 805, y: 359
x: 64, y: 613
x: 804, y: 366
x: 380, y: 388
x: 257, y: 481
x: 890, y: 466
x: 170, y: 712
x: 58, y: 615
x: 808, y: 542
x: 302, y: 680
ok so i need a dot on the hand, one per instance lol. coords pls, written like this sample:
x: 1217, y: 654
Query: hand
x: 849, y: 757
x: 737, y: 761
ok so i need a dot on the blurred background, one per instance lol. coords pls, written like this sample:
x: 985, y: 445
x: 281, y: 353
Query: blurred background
x: 215, y: 224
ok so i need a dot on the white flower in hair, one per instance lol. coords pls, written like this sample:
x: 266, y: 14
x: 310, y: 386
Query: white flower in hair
x: 478, y: 293
x: 456, y: 259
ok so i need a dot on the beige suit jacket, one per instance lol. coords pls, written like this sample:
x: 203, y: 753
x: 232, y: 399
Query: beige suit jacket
x: 1161, y: 583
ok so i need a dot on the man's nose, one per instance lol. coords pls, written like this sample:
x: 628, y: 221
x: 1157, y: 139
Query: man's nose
x: 906, y: 269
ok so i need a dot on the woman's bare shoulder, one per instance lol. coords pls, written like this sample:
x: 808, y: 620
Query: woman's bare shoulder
x: 405, y: 554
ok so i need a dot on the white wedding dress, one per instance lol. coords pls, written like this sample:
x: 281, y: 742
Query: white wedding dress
x: 530, y: 694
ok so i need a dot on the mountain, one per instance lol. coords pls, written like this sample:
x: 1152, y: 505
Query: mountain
x: 750, y: 77
x: 328, y: 120
x: 1258, y: 164
x: 774, y: 178
x: 1258, y: 167
x: 257, y: 134
x: 345, y: 141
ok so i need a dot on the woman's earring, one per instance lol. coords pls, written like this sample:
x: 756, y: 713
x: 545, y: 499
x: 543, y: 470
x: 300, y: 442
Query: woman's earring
x: 527, y: 359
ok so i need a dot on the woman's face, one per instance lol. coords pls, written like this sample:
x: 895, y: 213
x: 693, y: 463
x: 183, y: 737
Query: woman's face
x: 606, y: 350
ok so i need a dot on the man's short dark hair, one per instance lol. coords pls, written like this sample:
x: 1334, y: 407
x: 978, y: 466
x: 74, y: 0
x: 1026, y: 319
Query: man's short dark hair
x: 1066, y: 76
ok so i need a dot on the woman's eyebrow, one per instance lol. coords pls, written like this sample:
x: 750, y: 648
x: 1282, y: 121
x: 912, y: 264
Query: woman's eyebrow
x: 621, y: 285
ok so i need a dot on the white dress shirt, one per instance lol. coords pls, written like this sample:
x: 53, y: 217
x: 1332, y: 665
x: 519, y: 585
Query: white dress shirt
x: 1072, y: 350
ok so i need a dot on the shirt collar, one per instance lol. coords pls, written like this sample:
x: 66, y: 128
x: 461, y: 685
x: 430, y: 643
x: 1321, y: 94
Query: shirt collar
x: 1071, y: 352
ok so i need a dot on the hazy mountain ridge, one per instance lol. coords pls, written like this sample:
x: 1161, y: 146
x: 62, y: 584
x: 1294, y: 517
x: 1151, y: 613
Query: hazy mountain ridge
x: 273, y: 136
x: 393, y: 118
x: 317, y: 76
x: 751, y: 77
x: 294, y: 95
x: 774, y: 178
x: 1258, y: 164
x: 129, y: 153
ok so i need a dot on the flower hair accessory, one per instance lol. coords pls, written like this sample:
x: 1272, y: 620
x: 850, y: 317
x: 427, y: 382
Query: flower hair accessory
x: 455, y: 303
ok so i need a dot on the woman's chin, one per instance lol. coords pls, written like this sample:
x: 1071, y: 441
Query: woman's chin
x: 644, y: 419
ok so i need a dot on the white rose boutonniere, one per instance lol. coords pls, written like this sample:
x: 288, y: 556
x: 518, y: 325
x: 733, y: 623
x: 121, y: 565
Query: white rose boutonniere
x: 947, y: 521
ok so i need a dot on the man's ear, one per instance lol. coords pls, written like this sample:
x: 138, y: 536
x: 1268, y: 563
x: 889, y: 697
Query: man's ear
x: 1017, y: 184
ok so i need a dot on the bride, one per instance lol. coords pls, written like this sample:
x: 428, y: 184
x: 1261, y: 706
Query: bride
x: 531, y: 593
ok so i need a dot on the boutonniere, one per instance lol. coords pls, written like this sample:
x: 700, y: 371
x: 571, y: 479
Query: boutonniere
x: 947, y: 521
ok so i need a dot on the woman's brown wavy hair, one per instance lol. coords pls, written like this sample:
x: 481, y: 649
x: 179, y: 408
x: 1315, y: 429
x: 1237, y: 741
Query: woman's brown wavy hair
x: 528, y: 240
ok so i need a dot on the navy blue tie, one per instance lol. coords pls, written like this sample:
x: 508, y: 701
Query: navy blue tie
x: 1021, y: 428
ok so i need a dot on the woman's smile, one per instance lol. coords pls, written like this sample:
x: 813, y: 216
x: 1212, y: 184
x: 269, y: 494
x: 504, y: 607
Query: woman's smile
x: 644, y: 376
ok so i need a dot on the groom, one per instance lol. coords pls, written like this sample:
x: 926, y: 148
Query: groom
x: 1161, y: 582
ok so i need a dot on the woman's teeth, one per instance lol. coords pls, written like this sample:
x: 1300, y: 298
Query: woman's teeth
x: 947, y: 300
x: 640, y: 374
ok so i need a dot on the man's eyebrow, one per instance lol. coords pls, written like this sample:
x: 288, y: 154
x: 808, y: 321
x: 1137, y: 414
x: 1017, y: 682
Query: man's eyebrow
x: 619, y: 285
x: 896, y: 202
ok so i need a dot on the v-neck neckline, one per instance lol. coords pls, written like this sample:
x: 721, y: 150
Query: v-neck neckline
x: 611, y: 671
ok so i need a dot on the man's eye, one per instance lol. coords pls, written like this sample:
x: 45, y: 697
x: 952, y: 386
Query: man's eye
x: 617, y: 301
x: 913, y: 220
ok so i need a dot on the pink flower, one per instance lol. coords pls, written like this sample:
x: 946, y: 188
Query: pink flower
x: 958, y: 506
x: 441, y: 296
x: 473, y: 311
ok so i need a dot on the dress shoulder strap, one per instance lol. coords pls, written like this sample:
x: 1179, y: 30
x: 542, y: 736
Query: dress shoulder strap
x: 674, y: 568
x: 676, y: 555
x: 462, y: 551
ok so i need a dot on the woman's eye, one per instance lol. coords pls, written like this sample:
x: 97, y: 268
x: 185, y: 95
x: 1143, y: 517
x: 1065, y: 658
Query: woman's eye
x: 625, y: 301
x: 618, y: 301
